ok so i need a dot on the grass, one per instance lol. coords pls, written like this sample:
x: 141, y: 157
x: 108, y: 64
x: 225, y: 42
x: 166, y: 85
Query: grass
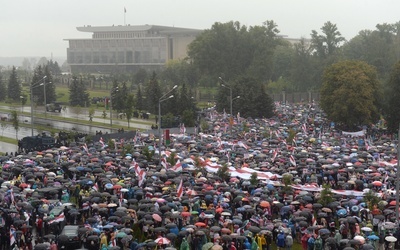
x: 8, y: 140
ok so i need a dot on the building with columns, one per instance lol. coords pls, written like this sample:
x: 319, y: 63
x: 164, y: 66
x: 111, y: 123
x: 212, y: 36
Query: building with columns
x: 117, y: 49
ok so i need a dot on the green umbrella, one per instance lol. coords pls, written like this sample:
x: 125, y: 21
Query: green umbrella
x: 207, y: 246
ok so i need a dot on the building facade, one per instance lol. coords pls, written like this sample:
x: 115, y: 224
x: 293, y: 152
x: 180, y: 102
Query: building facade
x: 116, y: 49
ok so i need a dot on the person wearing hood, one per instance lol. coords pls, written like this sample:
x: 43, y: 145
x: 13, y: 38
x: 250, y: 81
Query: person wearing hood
x: 280, y: 240
x: 104, y: 247
x: 254, y: 245
x: 246, y: 244
x: 184, y: 245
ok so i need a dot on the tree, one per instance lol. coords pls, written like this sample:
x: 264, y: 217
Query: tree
x: 254, y: 179
x: 350, y: 94
x: 50, y: 86
x: 120, y: 97
x: 78, y: 95
x: 3, y: 89
x: 392, y: 94
x: 37, y: 85
x: 54, y: 68
x: 14, y: 87
x: 129, y: 107
x: 253, y: 102
x: 372, y: 199
x: 329, y: 42
x: 153, y: 94
x: 4, y: 125
x: 91, y: 114
x: 326, y: 195
x: 139, y: 103
x: 15, y: 122
x: 223, y: 173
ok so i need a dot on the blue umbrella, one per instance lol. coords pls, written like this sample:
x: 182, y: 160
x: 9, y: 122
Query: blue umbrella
x: 373, y: 237
x: 342, y: 212
x: 108, y: 186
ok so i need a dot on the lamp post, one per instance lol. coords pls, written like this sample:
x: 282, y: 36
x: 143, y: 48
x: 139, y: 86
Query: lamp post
x: 34, y: 86
x: 162, y: 99
x: 111, y: 90
x: 22, y: 103
x: 45, y: 96
x: 230, y: 101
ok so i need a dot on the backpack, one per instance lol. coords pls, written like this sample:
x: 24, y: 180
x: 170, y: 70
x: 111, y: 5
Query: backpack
x: 318, y: 243
x: 311, y: 242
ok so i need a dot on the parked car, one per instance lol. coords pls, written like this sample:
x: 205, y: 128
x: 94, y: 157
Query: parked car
x: 69, y: 238
x: 53, y: 107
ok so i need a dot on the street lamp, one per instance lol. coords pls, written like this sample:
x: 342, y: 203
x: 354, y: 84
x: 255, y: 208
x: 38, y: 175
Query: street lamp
x: 45, y: 96
x: 162, y: 99
x: 111, y: 90
x: 223, y: 84
x: 22, y: 103
x: 31, y: 88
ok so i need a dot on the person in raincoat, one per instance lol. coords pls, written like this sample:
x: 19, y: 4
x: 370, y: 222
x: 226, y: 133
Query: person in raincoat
x: 280, y: 240
x: 184, y: 245
x: 254, y: 245
x: 318, y: 245
x: 246, y: 244
x: 261, y: 241
x: 104, y: 247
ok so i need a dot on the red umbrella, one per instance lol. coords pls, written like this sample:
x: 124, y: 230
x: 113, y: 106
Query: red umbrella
x: 200, y: 224
x: 265, y: 204
x: 185, y: 214
x: 377, y: 183
x: 392, y: 203
x: 156, y: 217
x: 162, y: 241
x: 117, y: 187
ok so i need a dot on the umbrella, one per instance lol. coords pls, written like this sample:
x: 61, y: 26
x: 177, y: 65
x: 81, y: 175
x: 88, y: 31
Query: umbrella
x: 390, y: 239
x: 157, y: 217
x: 360, y: 239
x: 162, y: 241
x: 207, y: 246
x: 373, y: 237
x: 366, y: 229
x: 367, y: 247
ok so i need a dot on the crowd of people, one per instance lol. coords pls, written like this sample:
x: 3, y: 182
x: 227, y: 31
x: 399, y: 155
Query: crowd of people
x: 292, y: 180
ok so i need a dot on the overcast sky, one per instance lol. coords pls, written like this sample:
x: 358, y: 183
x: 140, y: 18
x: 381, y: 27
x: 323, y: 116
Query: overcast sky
x: 37, y: 28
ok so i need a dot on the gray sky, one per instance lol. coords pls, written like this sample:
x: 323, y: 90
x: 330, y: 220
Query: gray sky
x: 37, y: 28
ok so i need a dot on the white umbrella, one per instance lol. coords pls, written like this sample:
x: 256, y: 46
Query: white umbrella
x: 390, y: 238
x: 360, y: 239
x: 366, y: 229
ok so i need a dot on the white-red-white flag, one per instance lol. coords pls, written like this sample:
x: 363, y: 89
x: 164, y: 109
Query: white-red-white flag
x: 179, y: 190
x: 292, y: 160
x: 142, y: 177
x: 177, y: 167
x: 274, y: 155
x: 59, y: 218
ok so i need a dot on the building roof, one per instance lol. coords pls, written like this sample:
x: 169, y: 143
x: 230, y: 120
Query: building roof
x: 137, y: 28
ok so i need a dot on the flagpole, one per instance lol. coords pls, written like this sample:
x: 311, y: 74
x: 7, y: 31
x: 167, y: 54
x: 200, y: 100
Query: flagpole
x: 124, y: 16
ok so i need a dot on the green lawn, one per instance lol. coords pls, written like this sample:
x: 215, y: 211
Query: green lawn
x: 62, y: 93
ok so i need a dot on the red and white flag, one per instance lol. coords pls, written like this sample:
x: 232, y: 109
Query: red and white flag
x: 142, y: 177
x: 102, y: 142
x: 274, y: 155
x: 292, y: 160
x: 182, y: 128
x: 59, y: 218
x: 241, y: 144
x: 177, y: 167
x: 179, y: 190
x: 95, y: 187
x: 304, y: 128
x: 85, y: 147
x: 12, y: 236
x: 164, y: 163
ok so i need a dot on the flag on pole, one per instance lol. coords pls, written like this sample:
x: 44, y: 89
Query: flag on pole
x: 142, y: 177
x: 12, y: 236
x: 164, y: 163
x: 102, y: 142
x: 85, y: 147
x: 292, y: 160
x: 59, y: 218
x: 177, y: 167
x: 182, y: 128
x: 304, y: 128
x: 95, y: 187
x: 179, y: 191
x: 274, y: 155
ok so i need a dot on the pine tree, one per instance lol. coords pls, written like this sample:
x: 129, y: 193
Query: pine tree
x: 14, y: 87
x: 139, y: 100
x: 3, y: 89
x: 78, y: 95
x: 37, y: 85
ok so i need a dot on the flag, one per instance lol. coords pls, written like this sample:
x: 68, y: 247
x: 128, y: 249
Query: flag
x: 164, y: 163
x: 102, y: 142
x: 179, y: 191
x: 59, y: 218
x: 182, y: 128
x: 241, y: 144
x: 274, y: 155
x: 177, y: 167
x: 367, y: 147
x: 95, y: 187
x: 386, y: 177
x: 85, y: 147
x: 313, y: 220
x: 292, y: 160
x: 121, y: 198
x: 12, y: 236
x: 142, y: 177
x: 304, y: 128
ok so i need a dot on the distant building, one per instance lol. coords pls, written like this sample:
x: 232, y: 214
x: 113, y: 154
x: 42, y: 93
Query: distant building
x: 127, y: 48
